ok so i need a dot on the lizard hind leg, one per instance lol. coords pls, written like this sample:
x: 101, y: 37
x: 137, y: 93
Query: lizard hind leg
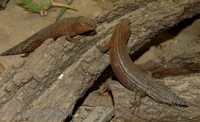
x: 137, y: 102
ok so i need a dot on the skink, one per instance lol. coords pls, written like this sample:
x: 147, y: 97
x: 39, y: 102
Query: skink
x: 130, y: 75
x: 70, y: 27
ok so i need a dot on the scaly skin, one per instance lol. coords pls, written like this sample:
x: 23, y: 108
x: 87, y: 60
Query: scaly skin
x: 131, y: 76
x: 70, y: 27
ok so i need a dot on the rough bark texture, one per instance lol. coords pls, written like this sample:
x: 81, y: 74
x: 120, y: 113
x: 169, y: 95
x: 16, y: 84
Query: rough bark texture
x: 47, y: 85
x: 180, y: 55
x: 183, y: 64
x: 98, y: 107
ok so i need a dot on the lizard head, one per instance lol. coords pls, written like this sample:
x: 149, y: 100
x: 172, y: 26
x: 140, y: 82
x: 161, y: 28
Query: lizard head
x: 84, y: 24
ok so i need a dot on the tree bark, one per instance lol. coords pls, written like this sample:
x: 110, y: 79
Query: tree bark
x: 47, y: 85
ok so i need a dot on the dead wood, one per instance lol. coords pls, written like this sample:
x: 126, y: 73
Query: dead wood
x: 179, y: 65
x: 47, y: 85
x: 176, y: 56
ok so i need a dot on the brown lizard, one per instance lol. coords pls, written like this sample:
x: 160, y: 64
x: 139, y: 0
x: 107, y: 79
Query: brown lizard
x: 70, y: 27
x: 131, y: 76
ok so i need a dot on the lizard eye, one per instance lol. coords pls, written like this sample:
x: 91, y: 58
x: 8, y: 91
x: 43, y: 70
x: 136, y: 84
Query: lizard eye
x: 86, y: 25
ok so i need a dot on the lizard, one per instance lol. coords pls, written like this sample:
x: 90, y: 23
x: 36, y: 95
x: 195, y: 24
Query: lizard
x: 70, y: 27
x: 130, y: 75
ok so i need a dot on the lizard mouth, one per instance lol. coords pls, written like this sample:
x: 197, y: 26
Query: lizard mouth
x: 89, y: 33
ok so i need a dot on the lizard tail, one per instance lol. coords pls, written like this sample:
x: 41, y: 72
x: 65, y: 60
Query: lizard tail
x: 163, y: 94
x: 12, y: 51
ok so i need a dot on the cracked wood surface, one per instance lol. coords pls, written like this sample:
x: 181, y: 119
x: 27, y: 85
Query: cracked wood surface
x: 49, y: 82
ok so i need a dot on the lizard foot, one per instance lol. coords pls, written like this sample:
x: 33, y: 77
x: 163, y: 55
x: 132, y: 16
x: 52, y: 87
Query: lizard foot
x: 137, y: 102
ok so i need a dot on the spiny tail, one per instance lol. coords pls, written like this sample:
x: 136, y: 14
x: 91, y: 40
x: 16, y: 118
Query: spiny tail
x: 155, y: 89
x: 163, y: 94
x: 179, y: 102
